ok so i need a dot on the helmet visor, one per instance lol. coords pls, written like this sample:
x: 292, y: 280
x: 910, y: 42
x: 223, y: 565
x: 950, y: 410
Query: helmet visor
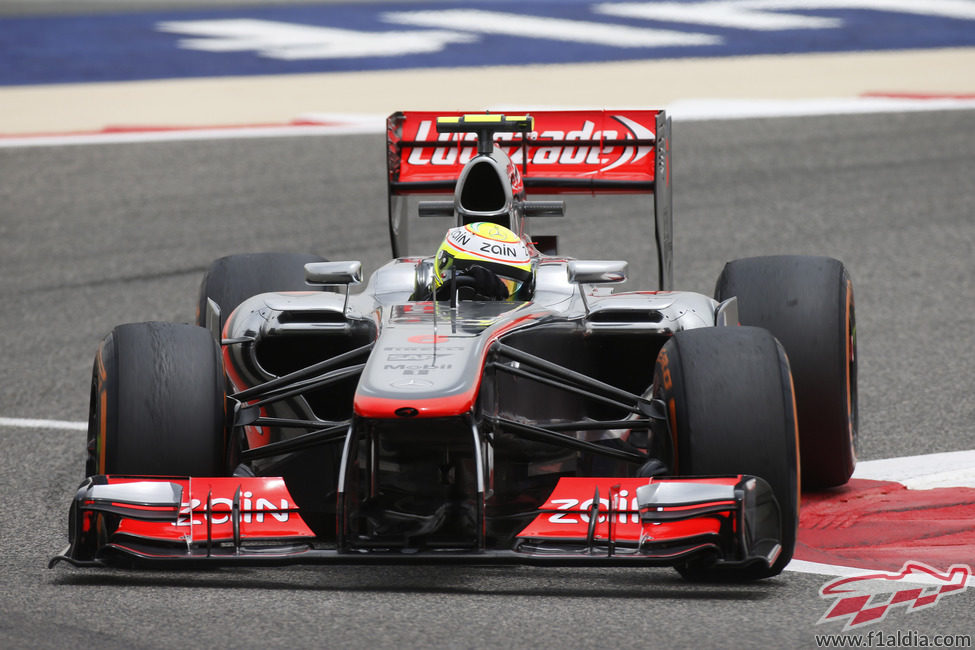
x: 513, y: 286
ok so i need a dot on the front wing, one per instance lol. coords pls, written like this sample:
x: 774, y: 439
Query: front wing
x: 166, y: 522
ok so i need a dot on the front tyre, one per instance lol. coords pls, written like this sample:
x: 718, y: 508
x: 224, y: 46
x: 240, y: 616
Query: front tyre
x: 157, y: 403
x: 233, y: 279
x: 807, y: 304
x: 728, y: 395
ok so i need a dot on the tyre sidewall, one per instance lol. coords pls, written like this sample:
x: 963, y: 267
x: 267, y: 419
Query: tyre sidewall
x: 233, y: 279
x: 728, y: 394
x: 807, y: 304
x: 158, y: 402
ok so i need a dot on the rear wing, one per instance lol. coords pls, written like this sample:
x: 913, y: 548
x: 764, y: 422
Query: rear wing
x: 582, y: 151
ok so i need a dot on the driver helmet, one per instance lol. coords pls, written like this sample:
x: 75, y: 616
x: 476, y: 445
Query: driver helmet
x: 491, y: 259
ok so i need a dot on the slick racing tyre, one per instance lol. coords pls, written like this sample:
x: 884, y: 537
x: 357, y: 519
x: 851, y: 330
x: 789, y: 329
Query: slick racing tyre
x: 157, y: 403
x: 728, y: 395
x: 233, y: 279
x: 807, y: 304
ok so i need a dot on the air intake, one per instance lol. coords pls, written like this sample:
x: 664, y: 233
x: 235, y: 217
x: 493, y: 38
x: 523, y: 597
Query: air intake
x: 483, y: 189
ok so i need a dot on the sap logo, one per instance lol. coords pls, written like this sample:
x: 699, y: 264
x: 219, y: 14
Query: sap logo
x: 417, y: 366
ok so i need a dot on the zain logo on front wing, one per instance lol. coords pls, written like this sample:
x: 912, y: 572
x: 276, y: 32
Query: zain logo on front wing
x: 252, y: 510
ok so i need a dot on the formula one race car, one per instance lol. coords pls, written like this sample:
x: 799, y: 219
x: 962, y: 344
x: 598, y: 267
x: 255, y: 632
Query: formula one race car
x: 492, y: 402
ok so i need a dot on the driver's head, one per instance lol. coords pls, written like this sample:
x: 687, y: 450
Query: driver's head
x: 490, y: 263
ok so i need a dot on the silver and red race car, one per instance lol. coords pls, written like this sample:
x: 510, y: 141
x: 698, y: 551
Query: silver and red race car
x: 544, y: 419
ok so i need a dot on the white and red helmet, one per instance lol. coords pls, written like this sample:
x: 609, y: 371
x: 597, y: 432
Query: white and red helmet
x: 490, y: 247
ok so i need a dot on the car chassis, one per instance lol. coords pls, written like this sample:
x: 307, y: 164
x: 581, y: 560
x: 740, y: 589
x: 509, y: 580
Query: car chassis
x: 455, y: 431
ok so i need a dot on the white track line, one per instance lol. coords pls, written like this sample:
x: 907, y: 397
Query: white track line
x: 683, y: 110
x: 361, y: 125
x: 815, y: 568
x: 23, y: 423
x: 731, y: 109
x: 950, y: 469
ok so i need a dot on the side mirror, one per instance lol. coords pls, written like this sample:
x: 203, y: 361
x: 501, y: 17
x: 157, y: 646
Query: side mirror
x: 436, y: 208
x: 726, y: 315
x: 543, y: 208
x: 597, y: 271
x: 333, y: 273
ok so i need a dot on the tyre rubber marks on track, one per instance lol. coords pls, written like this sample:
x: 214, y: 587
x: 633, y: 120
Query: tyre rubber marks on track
x: 893, y: 510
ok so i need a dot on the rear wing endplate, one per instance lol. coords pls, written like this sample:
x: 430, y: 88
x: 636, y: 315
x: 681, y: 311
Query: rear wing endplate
x: 584, y: 151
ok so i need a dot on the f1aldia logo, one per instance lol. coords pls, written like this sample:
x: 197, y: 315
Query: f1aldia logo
x: 865, y: 599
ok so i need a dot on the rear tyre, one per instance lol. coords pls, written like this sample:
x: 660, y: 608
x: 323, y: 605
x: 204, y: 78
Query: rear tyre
x: 728, y: 394
x: 807, y: 304
x: 233, y: 279
x: 157, y: 403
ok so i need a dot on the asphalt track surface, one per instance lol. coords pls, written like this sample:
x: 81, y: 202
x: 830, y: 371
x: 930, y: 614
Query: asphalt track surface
x: 93, y: 236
